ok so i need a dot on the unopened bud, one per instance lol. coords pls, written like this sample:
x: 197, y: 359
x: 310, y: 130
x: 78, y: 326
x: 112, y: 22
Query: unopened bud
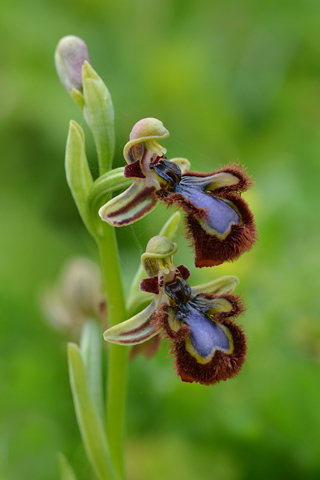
x: 70, y: 55
x: 75, y: 297
x: 81, y: 286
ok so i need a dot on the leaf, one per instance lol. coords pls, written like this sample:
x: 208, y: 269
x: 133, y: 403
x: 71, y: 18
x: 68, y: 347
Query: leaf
x: 78, y: 174
x: 66, y: 471
x: 91, y: 351
x: 89, y: 421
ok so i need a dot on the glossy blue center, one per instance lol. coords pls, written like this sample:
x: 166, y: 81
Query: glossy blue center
x: 206, y: 336
x: 220, y: 215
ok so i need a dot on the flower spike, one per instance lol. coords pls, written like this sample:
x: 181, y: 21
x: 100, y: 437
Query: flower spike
x: 207, y: 344
x: 219, y: 222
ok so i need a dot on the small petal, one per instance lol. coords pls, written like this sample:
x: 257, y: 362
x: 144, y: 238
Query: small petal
x: 182, y: 163
x: 150, y: 285
x: 133, y: 170
x: 184, y: 272
x: 131, y: 205
x: 136, y: 330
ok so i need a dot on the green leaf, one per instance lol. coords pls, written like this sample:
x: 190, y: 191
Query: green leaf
x: 89, y: 420
x: 66, y: 471
x: 91, y: 351
x: 136, y: 296
x: 79, y: 177
x: 99, y: 115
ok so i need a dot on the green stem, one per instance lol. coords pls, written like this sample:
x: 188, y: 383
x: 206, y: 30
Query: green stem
x: 117, y: 355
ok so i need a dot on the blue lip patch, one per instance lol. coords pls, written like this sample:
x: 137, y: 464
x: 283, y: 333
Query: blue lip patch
x: 220, y: 215
x: 206, y: 336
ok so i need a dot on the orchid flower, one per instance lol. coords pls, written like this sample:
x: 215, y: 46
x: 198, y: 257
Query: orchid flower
x: 219, y: 222
x: 207, y: 344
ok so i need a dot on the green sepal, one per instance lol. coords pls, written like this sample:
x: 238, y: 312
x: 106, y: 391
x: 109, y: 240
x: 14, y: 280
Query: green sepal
x: 78, y: 174
x: 91, y: 351
x: 66, y: 471
x: 137, y: 329
x: 131, y: 205
x: 99, y: 114
x: 78, y: 99
x: 89, y: 420
x: 136, y: 296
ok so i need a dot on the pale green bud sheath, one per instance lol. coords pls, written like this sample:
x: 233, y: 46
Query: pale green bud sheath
x: 99, y: 115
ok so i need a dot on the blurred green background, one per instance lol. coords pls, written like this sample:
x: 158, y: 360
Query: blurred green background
x: 231, y: 81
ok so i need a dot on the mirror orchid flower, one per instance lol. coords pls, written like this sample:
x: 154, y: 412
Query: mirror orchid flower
x: 219, y: 222
x: 207, y: 344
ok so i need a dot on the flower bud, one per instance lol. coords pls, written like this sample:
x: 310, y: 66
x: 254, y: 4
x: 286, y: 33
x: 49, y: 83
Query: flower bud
x: 69, y: 57
x: 81, y: 286
x: 75, y: 297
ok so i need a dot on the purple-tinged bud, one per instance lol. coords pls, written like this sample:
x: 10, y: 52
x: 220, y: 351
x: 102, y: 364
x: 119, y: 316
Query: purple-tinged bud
x: 70, y: 55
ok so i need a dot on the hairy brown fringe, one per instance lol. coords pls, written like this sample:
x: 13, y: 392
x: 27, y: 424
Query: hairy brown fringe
x: 209, y: 249
x: 223, y: 365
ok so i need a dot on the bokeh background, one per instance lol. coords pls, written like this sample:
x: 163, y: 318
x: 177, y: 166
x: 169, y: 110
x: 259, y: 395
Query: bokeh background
x: 231, y: 81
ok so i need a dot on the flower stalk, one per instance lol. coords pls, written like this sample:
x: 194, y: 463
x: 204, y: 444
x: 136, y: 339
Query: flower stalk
x: 117, y: 357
